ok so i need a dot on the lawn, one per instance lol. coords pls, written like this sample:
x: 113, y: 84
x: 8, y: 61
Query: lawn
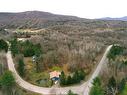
x: 40, y: 79
x: 56, y: 68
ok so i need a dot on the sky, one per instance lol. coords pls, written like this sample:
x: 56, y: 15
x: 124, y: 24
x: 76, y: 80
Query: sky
x: 81, y: 8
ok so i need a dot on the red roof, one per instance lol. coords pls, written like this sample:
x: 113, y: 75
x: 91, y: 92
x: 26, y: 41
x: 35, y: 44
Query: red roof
x: 54, y: 74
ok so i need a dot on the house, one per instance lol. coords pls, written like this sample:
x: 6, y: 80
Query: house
x: 55, y: 75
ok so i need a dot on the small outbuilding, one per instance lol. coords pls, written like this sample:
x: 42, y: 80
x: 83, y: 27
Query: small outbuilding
x: 55, y: 75
x: 34, y: 59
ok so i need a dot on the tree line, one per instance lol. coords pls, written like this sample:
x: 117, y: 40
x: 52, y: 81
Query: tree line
x: 75, y: 78
x: 26, y: 48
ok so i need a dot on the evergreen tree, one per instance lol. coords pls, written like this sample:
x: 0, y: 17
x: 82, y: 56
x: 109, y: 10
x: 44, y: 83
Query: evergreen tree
x: 96, y: 89
x: 7, y: 82
x: 115, y: 50
x: 69, y: 80
x: 81, y: 74
x: 14, y: 47
x: 97, y: 81
x: 1, y: 69
x: 62, y: 79
x: 3, y: 45
x: 21, y: 68
x: 28, y: 52
x: 121, y: 85
x: 76, y: 78
x: 112, y: 82
x: 112, y: 86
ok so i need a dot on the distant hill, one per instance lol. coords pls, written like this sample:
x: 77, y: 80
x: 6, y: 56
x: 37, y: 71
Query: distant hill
x: 122, y: 18
x: 31, y: 19
x: 38, y: 19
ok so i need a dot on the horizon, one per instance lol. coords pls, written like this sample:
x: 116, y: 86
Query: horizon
x: 80, y: 8
x: 64, y: 14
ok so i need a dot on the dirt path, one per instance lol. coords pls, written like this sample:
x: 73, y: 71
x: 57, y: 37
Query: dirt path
x: 81, y: 89
x: 104, y: 60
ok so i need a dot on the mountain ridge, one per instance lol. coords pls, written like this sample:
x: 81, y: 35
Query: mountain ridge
x: 119, y: 18
x: 38, y: 19
x: 32, y: 18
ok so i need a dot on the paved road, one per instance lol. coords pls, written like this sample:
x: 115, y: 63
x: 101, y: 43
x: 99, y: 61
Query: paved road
x: 79, y: 89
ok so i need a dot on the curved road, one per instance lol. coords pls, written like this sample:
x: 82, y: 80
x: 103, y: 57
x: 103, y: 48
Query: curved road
x: 79, y: 89
x: 103, y: 61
